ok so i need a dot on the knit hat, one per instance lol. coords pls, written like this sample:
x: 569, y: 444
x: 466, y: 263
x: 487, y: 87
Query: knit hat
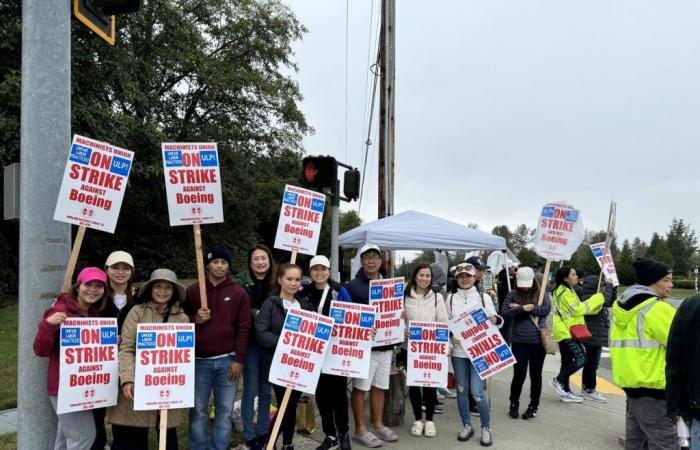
x: 648, y: 271
x: 218, y: 252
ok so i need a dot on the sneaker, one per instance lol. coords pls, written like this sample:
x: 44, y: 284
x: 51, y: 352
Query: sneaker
x: 447, y: 393
x: 570, y: 397
x: 439, y: 409
x: 465, y: 433
x: 513, y: 411
x: 430, y: 430
x: 417, y: 428
x: 593, y: 396
x: 344, y: 442
x: 441, y: 403
x: 486, y: 438
x: 328, y: 443
x: 556, y: 384
x: 473, y: 410
x: 530, y: 413
x: 440, y: 396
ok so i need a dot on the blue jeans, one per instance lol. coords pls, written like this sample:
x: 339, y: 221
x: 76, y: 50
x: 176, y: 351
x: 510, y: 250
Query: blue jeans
x: 255, y: 374
x: 212, y: 374
x: 467, y: 380
x: 695, y: 435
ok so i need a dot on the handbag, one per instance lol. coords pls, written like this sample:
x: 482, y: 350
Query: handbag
x: 547, y: 338
x: 580, y: 333
x: 306, y: 416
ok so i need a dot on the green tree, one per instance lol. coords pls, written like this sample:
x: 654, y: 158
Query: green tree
x: 658, y: 250
x: 682, y: 244
x: 347, y: 221
x: 623, y: 264
x: 639, y: 248
x: 504, y: 232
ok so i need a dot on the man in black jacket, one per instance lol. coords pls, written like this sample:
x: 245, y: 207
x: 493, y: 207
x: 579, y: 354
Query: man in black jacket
x: 683, y: 367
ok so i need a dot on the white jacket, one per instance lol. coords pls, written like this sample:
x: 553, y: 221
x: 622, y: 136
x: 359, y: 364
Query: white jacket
x: 463, y: 300
x: 427, y: 308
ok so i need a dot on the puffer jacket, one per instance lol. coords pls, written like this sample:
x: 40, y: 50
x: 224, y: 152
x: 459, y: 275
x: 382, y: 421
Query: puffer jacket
x: 123, y: 413
x: 270, y: 320
x: 524, y: 331
x: 598, y: 324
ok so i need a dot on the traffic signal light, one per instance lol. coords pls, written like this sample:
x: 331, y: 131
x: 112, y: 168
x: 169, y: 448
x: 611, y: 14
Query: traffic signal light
x: 319, y: 171
x: 351, y: 184
x: 98, y: 15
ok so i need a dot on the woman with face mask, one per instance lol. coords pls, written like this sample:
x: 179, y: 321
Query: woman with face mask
x: 76, y: 430
x: 466, y: 377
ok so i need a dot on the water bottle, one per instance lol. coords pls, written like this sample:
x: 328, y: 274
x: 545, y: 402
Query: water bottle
x: 683, y: 433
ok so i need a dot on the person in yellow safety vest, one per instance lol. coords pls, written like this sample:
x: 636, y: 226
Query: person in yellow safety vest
x: 569, y: 310
x: 638, y: 338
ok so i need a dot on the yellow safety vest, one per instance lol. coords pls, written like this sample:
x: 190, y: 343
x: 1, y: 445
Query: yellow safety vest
x: 638, y: 340
x: 569, y: 310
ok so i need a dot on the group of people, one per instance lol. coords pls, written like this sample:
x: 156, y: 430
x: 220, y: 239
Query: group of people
x: 236, y: 335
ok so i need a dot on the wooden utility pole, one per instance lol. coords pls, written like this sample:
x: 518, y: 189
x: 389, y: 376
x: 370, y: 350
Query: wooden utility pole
x: 387, y: 102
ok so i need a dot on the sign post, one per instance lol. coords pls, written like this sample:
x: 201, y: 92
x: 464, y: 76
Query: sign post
x: 193, y: 187
x: 609, y: 235
x: 92, y: 190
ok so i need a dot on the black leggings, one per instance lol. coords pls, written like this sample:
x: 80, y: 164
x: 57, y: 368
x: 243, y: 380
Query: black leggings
x: 136, y: 438
x: 573, y: 358
x: 430, y: 397
x: 332, y: 401
x: 289, y: 421
x: 589, y: 370
x: 532, y: 355
x: 100, y: 431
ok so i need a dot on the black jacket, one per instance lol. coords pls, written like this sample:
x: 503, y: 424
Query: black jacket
x: 270, y: 320
x: 598, y: 324
x: 314, y: 295
x: 683, y: 361
x: 523, y: 330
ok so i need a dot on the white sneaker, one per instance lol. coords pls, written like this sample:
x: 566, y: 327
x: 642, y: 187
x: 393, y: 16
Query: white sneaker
x: 465, y: 433
x: 486, y: 438
x: 593, y: 396
x: 417, y: 428
x: 570, y: 397
x: 558, y: 387
x: 430, y: 430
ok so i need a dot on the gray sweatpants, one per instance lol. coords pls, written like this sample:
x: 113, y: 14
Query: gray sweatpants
x: 76, y: 430
x: 647, y: 426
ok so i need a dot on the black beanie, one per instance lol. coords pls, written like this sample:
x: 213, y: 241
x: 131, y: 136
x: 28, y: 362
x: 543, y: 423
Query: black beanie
x: 218, y: 252
x: 648, y: 271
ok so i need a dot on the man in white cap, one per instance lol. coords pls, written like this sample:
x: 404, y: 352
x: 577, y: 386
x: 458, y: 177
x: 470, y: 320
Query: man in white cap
x: 380, y: 362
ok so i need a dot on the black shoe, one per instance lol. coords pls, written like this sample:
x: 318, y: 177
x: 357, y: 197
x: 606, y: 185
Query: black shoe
x: 344, y: 441
x: 530, y: 413
x: 513, y: 411
x: 328, y: 443
x: 288, y: 447
x: 254, y: 444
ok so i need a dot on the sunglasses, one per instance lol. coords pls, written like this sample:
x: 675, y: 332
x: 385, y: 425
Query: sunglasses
x: 465, y: 268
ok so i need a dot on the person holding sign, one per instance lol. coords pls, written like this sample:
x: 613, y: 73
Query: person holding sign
x: 258, y: 280
x: 569, y: 312
x: 522, y: 309
x: 268, y: 326
x: 423, y: 304
x: 380, y: 362
x: 221, y: 334
x: 466, y: 377
x: 331, y: 396
x: 76, y: 430
x: 158, y: 301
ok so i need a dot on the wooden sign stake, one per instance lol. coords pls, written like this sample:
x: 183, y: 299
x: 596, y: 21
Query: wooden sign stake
x: 200, y: 265
x: 73, y: 259
x: 163, y: 437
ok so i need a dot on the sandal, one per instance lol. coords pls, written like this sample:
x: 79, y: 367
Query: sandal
x: 417, y: 428
x: 430, y: 430
x: 386, y: 434
x: 368, y: 440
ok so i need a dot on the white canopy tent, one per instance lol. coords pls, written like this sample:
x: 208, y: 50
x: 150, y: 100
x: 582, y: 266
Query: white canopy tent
x: 413, y: 230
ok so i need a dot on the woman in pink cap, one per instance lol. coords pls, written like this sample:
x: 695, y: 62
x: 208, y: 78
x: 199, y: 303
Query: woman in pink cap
x: 76, y: 430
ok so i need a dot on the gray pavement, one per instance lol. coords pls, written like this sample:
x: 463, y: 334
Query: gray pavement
x: 8, y: 421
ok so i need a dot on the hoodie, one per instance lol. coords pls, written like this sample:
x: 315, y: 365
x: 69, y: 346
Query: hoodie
x: 46, y: 342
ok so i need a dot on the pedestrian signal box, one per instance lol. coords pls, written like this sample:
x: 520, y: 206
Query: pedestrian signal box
x: 99, y: 15
x: 319, y: 171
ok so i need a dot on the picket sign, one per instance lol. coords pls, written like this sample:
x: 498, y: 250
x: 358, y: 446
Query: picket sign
x: 609, y: 232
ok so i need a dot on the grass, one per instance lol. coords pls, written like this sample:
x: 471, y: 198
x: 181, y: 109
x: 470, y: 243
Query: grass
x: 8, y: 358
x: 8, y: 441
x: 678, y: 293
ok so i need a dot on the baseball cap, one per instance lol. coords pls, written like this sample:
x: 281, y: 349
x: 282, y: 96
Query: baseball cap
x: 319, y: 260
x: 119, y: 256
x: 367, y: 247
x: 476, y: 262
x: 465, y: 268
x: 89, y: 274
x: 525, y: 277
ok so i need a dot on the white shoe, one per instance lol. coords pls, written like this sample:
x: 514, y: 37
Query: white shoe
x: 558, y: 387
x: 430, y: 430
x: 570, y: 397
x: 593, y: 396
x: 417, y: 428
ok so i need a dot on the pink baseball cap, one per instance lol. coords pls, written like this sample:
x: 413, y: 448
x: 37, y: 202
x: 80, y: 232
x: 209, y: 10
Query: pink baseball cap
x: 89, y: 274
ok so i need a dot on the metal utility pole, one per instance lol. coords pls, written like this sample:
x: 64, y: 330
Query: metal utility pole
x: 335, y: 231
x: 44, y: 244
x: 387, y: 72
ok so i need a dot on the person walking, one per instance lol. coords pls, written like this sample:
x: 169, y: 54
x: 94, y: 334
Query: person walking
x: 258, y: 280
x: 268, y: 326
x: 569, y: 311
x: 75, y: 430
x: 599, y: 326
x: 422, y: 303
x: 527, y: 316
x: 466, y: 377
x: 331, y: 391
x: 221, y: 332
x: 158, y: 301
x: 683, y: 368
x: 638, y: 341
x: 380, y: 361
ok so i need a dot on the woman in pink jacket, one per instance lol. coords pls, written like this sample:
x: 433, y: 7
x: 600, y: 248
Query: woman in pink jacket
x: 76, y: 430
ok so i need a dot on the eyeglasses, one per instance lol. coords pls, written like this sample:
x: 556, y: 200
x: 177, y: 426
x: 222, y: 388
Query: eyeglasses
x: 371, y: 258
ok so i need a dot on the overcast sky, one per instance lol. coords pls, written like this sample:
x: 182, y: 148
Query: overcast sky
x: 505, y: 105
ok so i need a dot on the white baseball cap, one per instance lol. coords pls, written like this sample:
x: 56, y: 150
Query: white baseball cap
x: 119, y: 256
x: 367, y: 247
x: 319, y: 260
x: 525, y: 277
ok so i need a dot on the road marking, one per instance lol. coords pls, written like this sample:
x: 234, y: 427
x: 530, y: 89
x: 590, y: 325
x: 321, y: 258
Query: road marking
x: 602, y: 385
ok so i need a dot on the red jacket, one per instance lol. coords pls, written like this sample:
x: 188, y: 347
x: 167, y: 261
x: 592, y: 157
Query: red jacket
x: 47, y: 340
x: 227, y: 330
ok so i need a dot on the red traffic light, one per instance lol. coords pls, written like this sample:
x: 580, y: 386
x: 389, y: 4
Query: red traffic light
x: 319, y: 171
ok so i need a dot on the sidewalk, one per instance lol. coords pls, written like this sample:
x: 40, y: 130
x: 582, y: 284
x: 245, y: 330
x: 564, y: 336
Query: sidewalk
x: 8, y: 421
